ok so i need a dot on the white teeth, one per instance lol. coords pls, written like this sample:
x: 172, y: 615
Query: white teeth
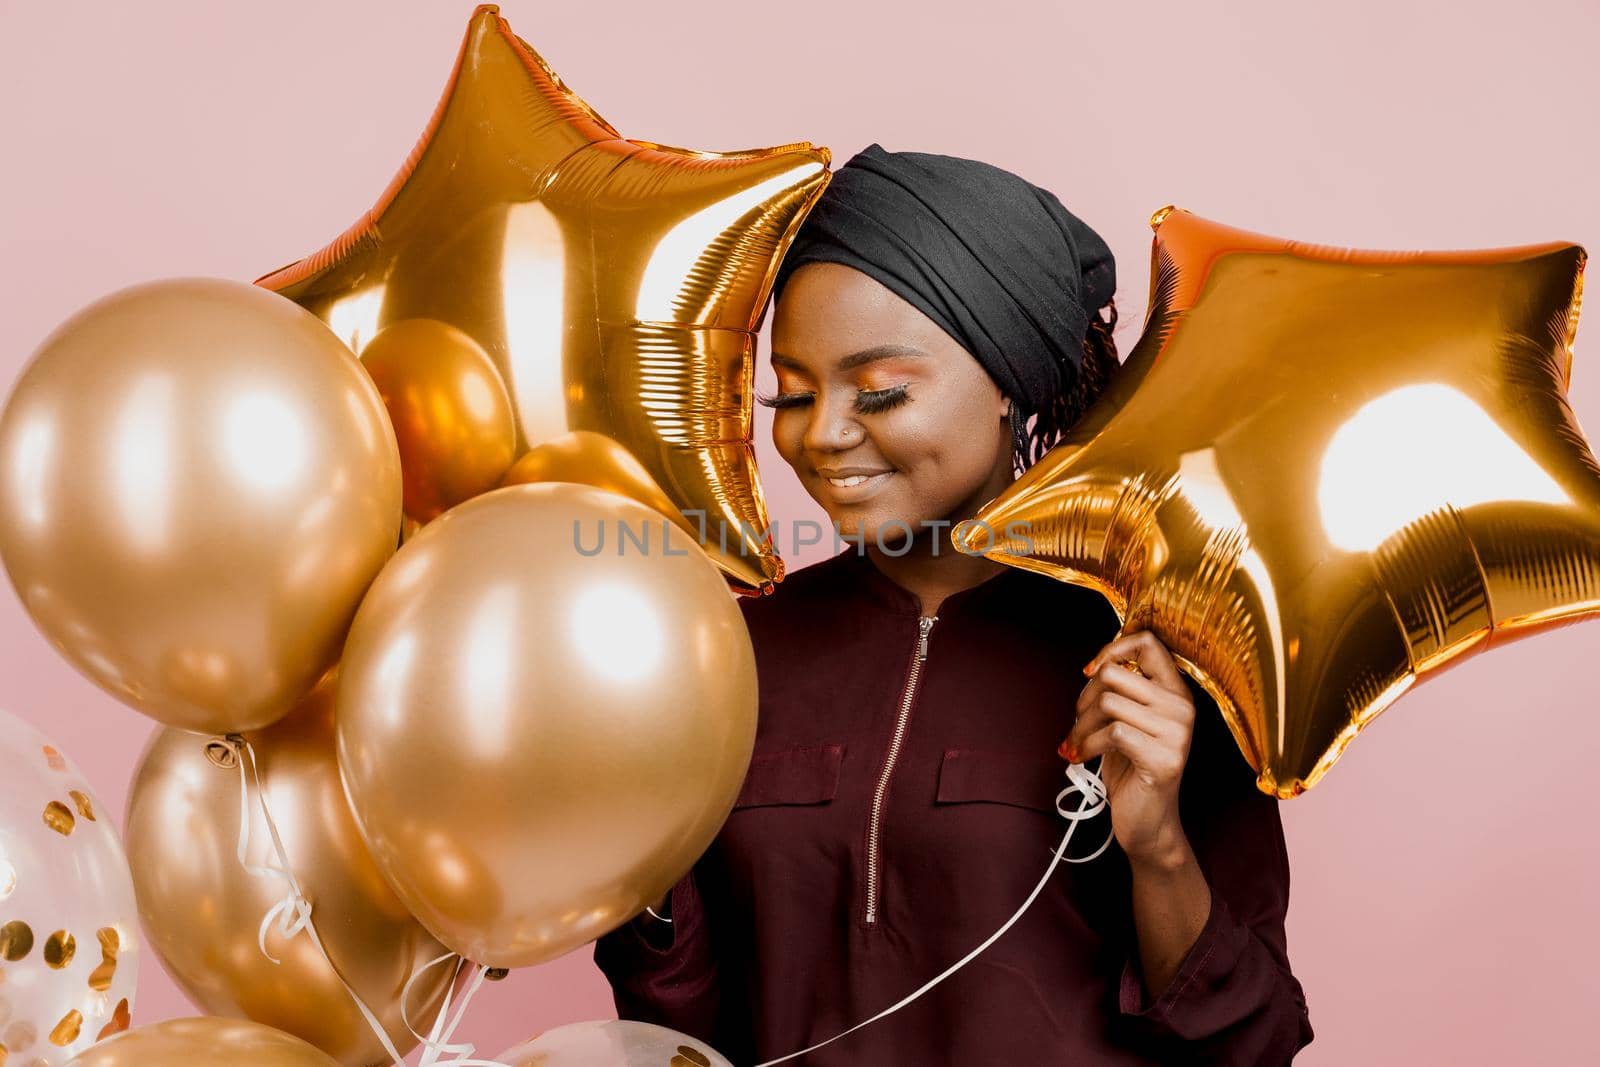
x: 854, y: 479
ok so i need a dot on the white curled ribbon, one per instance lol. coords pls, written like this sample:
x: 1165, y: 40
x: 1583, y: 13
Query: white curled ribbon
x: 438, y: 1043
x: 1093, y: 790
x: 293, y: 913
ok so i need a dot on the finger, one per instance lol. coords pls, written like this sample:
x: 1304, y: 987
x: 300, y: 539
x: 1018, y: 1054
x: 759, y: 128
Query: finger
x: 1093, y: 720
x: 1114, y: 651
x: 1155, y: 659
x: 1089, y: 693
x: 1142, y: 645
x: 1154, y: 758
x: 1113, y: 707
x: 1174, y: 706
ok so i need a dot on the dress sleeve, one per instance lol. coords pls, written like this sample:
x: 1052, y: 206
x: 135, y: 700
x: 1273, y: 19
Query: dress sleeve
x: 670, y: 981
x: 1234, y: 999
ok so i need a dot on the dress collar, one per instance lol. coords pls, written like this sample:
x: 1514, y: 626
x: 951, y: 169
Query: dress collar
x: 863, y: 575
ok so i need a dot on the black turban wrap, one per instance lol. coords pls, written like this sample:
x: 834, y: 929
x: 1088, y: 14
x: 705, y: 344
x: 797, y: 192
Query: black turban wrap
x: 993, y: 259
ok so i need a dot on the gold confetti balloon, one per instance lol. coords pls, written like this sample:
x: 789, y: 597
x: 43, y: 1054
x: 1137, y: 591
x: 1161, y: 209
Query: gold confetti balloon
x: 615, y: 286
x: 203, y: 1042
x: 69, y: 959
x: 612, y: 1043
x: 1324, y: 474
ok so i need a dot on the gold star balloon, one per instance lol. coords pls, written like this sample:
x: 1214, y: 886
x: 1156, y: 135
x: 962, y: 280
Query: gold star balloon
x: 1324, y: 474
x: 614, y: 287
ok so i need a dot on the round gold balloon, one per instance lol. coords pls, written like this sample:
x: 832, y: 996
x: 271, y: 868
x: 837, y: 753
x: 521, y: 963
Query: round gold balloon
x: 1324, y: 474
x: 202, y: 909
x: 617, y: 285
x: 197, y: 483
x: 450, y: 410
x: 202, y: 1042
x: 542, y: 725
x: 593, y: 459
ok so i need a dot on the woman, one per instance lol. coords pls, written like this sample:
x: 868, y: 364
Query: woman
x: 901, y: 802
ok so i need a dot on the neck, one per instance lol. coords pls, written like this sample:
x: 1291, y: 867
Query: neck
x: 934, y: 577
x: 932, y: 567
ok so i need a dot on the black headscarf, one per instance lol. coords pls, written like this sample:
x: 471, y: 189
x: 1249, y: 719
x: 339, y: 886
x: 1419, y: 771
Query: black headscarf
x: 996, y: 261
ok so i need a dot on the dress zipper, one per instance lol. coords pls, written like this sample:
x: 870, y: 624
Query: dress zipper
x: 924, y: 624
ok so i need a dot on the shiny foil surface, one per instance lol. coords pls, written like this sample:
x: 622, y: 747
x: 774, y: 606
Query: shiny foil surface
x: 614, y: 286
x: 1323, y: 474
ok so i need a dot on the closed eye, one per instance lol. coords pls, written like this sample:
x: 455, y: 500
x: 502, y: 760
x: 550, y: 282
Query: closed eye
x: 868, y: 401
x: 783, y: 400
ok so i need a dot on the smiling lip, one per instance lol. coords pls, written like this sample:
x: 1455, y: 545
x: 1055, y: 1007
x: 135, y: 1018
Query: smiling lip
x: 865, y: 482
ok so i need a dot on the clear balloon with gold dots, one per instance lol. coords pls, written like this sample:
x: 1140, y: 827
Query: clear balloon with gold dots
x: 68, y: 921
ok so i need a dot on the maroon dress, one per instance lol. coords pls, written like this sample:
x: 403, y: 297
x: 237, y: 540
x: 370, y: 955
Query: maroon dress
x: 901, y: 805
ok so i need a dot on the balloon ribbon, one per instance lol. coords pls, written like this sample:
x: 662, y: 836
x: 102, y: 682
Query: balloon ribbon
x: 1083, y: 781
x: 293, y: 913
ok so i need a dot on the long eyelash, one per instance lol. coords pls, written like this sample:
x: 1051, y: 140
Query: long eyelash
x: 782, y: 400
x: 871, y: 401
x: 868, y: 401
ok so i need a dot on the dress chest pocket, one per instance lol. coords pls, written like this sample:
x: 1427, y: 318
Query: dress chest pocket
x: 994, y: 776
x: 797, y: 774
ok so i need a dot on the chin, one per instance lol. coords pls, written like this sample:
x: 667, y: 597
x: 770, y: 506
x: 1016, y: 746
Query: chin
x: 871, y: 529
x: 881, y: 521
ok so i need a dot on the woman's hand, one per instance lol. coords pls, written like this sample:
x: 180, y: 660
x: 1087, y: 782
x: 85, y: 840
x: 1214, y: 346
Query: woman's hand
x: 1142, y: 724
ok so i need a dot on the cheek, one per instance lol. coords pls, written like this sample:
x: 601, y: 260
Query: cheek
x: 946, y: 438
x: 788, y: 433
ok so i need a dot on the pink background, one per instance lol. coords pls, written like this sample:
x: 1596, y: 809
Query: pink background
x: 1445, y: 874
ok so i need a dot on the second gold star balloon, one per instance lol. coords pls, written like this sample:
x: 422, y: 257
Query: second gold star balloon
x: 1324, y: 474
x: 615, y: 286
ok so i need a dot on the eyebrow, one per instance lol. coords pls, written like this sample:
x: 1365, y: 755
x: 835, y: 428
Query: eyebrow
x: 856, y: 359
